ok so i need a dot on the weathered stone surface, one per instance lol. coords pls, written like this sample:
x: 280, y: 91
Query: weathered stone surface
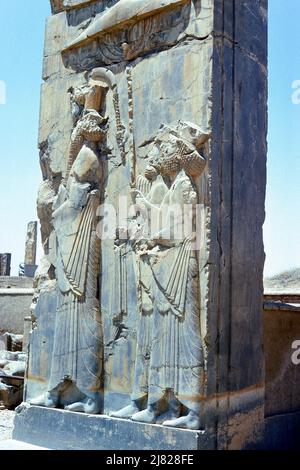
x: 12, y: 369
x: 12, y: 342
x: 150, y: 102
x: 31, y: 244
x: 6, y: 424
x: 238, y: 169
x: 16, y: 283
x: 5, y: 261
x: 60, y: 5
x: 15, y: 299
x: 61, y: 430
x: 41, y: 339
x: 122, y: 13
x: 10, y: 396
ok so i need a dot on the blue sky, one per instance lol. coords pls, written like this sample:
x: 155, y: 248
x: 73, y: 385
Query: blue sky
x: 21, y: 48
x: 282, y: 227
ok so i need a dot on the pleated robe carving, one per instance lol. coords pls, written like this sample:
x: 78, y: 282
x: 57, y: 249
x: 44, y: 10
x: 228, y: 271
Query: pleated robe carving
x: 170, y: 352
x: 78, y: 343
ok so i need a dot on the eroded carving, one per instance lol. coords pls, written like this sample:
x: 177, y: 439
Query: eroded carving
x: 31, y: 244
x: 121, y: 14
x: 169, y: 369
x: 138, y: 332
x: 77, y: 369
x: 136, y: 37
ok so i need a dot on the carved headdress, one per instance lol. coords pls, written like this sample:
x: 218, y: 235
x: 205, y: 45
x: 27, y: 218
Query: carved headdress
x: 188, y: 139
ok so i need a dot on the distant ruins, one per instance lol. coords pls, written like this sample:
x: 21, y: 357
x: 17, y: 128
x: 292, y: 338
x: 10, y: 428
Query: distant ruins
x: 5, y: 262
x: 15, y: 321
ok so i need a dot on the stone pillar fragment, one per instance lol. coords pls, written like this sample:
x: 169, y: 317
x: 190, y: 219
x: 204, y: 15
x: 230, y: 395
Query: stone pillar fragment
x: 5, y: 261
x: 31, y: 242
x: 29, y: 267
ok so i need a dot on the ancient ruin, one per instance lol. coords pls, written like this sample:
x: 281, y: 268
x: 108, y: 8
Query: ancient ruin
x: 5, y: 261
x: 149, y: 296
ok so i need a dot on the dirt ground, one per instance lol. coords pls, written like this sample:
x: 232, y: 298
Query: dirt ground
x: 6, y: 424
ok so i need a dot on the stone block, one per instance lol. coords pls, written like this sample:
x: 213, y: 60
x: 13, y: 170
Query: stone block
x: 14, y: 306
x: 5, y: 262
x: 30, y: 270
x: 61, y: 430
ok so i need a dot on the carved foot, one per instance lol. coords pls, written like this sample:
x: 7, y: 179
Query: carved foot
x: 146, y: 416
x: 48, y: 400
x: 191, y: 421
x: 126, y: 413
x: 88, y: 406
x: 171, y: 414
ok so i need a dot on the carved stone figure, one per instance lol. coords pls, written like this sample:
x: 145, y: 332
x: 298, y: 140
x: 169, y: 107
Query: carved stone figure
x: 170, y: 365
x: 76, y: 371
x: 148, y: 324
x: 31, y: 242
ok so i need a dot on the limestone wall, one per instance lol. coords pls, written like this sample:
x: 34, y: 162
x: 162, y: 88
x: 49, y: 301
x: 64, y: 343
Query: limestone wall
x: 15, y: 299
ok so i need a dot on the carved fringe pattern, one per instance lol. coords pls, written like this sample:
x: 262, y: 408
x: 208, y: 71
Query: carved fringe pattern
x: 75, y: 147
x: 177, y: 354
x: 78, y: 347
x: 120, y: 136
x: 192, y: 161
x: 143, y: 185
x: 75, y: 269
x: 176, y: 288
x: 131, y: 128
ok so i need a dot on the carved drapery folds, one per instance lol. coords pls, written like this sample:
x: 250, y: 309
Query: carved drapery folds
x: 169, y: 366
x: 123, y: 244
x: 76, y: 379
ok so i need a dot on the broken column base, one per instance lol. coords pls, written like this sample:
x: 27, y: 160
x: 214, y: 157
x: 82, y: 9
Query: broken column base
x: 10, y: 395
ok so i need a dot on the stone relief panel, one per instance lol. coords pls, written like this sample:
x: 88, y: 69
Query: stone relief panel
x: 76, y: 366
x: 130, y: 30
x: 169, y: 366
x: 125, y: 208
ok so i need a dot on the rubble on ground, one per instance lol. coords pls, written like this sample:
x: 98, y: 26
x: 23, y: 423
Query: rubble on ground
x: 12, y: 371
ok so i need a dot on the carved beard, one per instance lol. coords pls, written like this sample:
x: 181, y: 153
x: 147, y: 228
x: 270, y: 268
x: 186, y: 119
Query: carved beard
x: 85, y: 130
x: 93, y: 135
x: 89, y: 127
x: 170, y: 165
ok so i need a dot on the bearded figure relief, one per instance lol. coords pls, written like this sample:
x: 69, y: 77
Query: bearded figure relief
x: 77, y: 369
x: 169, y: 369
